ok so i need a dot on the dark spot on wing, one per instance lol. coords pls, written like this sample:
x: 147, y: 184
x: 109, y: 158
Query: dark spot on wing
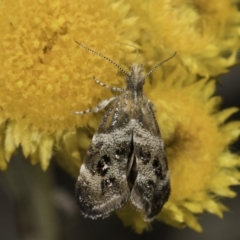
x: 102, y: 168
x: 107, y: 183
x: 103, y: 165
x: 157, y: 167
x: 120, y: 152
x: 144, y: 156
x: 106, y: 159
x: 150, y: 184
x: 165, y: 192
x: 156, y: 163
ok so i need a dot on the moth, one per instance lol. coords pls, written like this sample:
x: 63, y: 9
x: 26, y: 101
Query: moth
x: 126, y: 159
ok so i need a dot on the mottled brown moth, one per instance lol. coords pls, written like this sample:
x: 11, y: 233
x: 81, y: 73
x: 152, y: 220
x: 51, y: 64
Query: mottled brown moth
x: 126, y: 159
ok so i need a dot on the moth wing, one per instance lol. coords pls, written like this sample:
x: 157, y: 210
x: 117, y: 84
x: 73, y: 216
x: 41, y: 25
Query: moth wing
x: 102, y: 185
x: 151, y: 187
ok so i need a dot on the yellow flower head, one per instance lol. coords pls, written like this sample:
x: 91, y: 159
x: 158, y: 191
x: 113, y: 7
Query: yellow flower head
x: 45, y: 76
x: 204, y: 33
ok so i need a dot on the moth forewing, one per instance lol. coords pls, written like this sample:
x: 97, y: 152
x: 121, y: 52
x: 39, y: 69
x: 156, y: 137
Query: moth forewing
x: 102, y: 185
x: 151, y: 187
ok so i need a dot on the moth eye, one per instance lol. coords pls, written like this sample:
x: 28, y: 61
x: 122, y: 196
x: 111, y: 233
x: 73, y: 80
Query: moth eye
x: 145, y: 156
x: 157, y: 167
x: 119, y: 152
x: 103, y: 165
x: 107, y: 183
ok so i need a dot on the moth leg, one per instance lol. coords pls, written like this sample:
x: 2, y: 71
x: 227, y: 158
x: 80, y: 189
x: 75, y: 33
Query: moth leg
x: 114, y: 89
x: 98, y: 108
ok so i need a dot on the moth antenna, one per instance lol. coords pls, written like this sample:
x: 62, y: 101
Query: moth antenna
x: 101, y: 55
x: 159, y: 64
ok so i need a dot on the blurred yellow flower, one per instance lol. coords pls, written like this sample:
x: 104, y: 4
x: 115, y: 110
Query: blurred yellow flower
x: 204, y: 33
x: 45, y: 76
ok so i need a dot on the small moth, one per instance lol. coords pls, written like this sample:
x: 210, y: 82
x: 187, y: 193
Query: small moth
x: 126, y: 159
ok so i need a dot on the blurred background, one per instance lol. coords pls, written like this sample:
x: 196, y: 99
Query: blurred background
x: 40, y: 205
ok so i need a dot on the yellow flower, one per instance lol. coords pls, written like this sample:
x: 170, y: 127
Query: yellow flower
x: 45, y: 76
x: 204, y: 33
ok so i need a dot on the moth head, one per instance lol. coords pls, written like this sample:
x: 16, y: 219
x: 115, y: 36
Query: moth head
x: 135, y: 79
